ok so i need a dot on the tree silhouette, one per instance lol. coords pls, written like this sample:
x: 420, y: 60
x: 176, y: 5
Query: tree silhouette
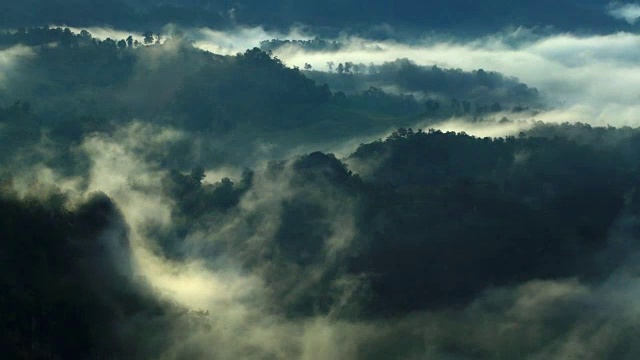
x: 330, y: 65
x: 148, y: 37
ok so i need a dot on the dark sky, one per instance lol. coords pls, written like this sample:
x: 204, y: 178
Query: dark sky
x: 464, y: 17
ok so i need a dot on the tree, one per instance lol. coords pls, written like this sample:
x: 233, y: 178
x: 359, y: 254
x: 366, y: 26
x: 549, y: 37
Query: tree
x: 359, y: 68
x: 348, y: 66
x: 197, y: 174
x: 130, y: 41
x: 340, y: 68
x: 330, y: 65
x: 108, y: 42
x: 307, y: 66
x: 148, y: 37
x: 122, y: 44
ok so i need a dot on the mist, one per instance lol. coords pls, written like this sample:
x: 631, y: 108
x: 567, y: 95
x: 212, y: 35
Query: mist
x: 188, y: 180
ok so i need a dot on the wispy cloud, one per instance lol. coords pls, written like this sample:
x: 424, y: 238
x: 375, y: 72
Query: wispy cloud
x: 10, y: 59
x: 627, y: 12
x: 240, y: 39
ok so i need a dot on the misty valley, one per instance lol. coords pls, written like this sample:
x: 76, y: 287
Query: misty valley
x: 206, y: 180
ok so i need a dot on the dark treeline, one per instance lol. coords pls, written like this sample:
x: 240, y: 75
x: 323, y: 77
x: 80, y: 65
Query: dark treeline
x: 60, y: 36
x: 64, y: 37
x: 474, y: 92
x: 315, y: 44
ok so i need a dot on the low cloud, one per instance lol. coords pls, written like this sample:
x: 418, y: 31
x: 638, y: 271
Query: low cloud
x: 9, y: 62
x: 627, y: 12
x: 488, y: 128
x: 240, y: 39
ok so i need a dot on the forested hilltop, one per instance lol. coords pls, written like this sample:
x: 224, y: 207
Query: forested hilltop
x: 72, y: 84
x: 162, y: 201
